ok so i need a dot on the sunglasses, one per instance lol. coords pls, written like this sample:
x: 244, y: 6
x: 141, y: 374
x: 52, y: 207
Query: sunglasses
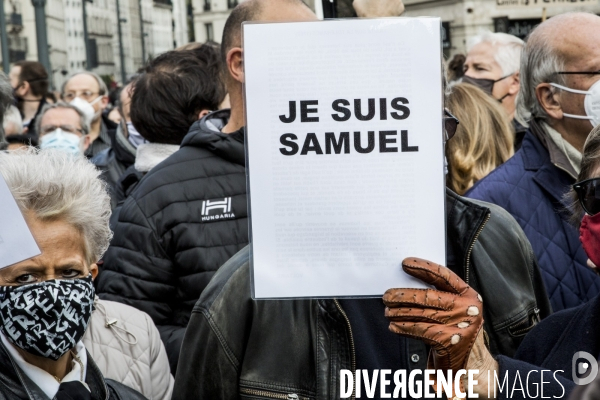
x: 450, y: 124
x: 588, y: 193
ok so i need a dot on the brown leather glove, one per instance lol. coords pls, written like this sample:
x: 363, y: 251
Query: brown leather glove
x: 447, y: 319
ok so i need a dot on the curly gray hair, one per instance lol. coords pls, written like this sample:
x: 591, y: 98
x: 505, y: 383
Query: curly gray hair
x: 53, y: 184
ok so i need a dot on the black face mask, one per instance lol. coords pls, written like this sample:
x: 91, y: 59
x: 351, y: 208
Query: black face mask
x: 487, y: 85
x: 47, y: 318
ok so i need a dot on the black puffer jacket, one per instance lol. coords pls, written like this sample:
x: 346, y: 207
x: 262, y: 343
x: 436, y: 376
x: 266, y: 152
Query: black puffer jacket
x: 186, y: 217
x: 15, y: 385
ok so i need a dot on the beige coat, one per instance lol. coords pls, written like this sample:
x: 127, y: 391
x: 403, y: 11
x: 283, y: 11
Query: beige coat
x: 126, y: 346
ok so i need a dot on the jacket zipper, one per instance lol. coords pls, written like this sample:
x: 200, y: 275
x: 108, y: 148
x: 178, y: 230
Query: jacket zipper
x: 487, y: 218
x: 353, y: 358
x: 272, y: 395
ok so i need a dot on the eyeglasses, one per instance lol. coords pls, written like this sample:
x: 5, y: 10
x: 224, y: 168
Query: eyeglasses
x: 450, y: 124
x: 67, y: 128
x: 86, y: 95
x: 588, y: 193
x: 578, y: 72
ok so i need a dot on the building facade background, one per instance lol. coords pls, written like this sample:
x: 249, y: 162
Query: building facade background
x: 151, y: 27
x: 148, y: 28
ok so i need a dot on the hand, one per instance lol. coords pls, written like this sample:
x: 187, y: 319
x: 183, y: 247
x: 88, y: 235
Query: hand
x: 448, y: 318
x: 378, y: 8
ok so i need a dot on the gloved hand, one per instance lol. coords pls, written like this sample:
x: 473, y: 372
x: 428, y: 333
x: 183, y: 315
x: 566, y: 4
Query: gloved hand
x: 448, y: 318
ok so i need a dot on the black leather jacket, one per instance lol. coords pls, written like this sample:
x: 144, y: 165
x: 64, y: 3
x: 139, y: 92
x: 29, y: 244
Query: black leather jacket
x: 239, y: 348
x: 15, y: 385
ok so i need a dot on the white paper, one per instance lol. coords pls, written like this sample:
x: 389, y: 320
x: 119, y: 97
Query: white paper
x: 16, y: 241
x: 329, y: 225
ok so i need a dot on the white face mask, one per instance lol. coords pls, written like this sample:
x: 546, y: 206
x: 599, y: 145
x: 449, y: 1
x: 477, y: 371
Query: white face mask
x: 591, y: 102
x: 61, y: 140
x: 86, y: 108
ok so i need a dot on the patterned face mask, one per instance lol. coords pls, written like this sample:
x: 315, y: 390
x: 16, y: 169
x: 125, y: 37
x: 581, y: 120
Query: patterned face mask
x: 47, y: 318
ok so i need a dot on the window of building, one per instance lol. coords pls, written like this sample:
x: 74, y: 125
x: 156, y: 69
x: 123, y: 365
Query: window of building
x: 206, y: 5
x: 209, y: 32
x: 232, y: 3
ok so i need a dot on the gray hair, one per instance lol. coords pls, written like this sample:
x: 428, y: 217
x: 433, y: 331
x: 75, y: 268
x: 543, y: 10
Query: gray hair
x: 85, y: 128
x: 508, y: 49
x: 13, y: 116
x: 55, y: 185
x: 102, y: 88
x: 539, y: 63
x: 6, y: 99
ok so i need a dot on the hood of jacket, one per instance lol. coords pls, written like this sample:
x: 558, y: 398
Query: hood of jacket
x: 207, y: 133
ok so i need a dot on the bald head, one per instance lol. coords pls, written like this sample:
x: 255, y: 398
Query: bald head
x: 570, y: 35
x: 566, y: 42
x: 261, y: 10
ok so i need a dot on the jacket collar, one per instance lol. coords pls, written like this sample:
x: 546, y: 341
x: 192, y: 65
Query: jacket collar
x: 149, y: 155
x: 19, y: 384
x: 553, y: 179
x: 206, y: 133
x: 463, y: 221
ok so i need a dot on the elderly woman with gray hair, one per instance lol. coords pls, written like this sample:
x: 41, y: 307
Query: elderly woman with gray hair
x: 50, y: 335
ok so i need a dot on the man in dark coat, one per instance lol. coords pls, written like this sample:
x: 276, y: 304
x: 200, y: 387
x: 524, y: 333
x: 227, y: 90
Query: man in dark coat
x: 188, y: 215
x: 531, y: 185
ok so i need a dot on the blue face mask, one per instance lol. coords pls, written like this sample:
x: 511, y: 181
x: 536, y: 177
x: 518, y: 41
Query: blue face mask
x: 135, y: 138
x: 61, y: 140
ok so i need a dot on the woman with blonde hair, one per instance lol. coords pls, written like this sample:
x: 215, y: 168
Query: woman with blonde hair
x: 483, y: 140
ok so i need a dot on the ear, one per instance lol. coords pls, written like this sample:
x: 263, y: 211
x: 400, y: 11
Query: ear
x: 94, y: 270
x: 23, y: 89
x: 103, y: 102
x: 86, y: 142
x: 203, y: 113
x: 235, y: 63
x: 549, y: 100
x: 514, y: 84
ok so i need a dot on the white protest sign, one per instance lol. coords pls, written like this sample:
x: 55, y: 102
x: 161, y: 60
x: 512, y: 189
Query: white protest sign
x: 345, y: 154
x: 16, y: 241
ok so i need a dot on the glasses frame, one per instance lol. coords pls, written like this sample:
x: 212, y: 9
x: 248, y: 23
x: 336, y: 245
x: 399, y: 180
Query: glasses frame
x: 449, y: 117
x: 578, y: 72
x: 580, y: 190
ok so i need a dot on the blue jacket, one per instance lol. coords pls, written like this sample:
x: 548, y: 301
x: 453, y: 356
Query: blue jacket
x: 551, y: 345
x: 531, y: 188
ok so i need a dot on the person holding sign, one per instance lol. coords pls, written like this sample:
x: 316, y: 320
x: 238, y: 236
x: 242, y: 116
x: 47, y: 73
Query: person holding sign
x: 560, y: 87
x: 553, y: 350
x: 236, y: 346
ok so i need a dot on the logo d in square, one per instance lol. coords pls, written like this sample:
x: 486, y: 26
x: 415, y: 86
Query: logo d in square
x: 584, y: 368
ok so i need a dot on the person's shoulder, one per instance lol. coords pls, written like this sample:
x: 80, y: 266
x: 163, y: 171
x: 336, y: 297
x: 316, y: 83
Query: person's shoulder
x: 230, y: 284
x: 505, y: 178
x: 122, y: 312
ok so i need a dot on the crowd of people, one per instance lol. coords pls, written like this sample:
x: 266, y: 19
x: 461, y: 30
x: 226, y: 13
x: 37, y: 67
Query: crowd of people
x: 135, y: 296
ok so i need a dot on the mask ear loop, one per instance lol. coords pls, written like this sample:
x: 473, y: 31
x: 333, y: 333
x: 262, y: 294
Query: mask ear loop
x: 576, y: 91
x: 111, y: 323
